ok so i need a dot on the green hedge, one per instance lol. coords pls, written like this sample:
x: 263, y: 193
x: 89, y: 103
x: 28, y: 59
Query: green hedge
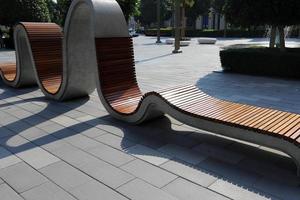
x: 209, y: 33
x: 262, y: 61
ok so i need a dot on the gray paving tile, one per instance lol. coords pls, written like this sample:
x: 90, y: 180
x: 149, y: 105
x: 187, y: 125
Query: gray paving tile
x: 140, y: 190
x: 237, y: 192
x: 44, y: 141
x: 95, y: 190
x: 45, y: 123
x: 7, y: 158
x: 4, y: 132
x: 64, y: 133
x: 34, y: 119
x: 22, y: 177
x: 93, y: 132
x: 110, y: 155
x: 33, y: 133
x: 183, y: 153
x: 210, y: 138
x: 115, y: 141
x: 192, y: 173
x: 20, y: 113
x: 10, y: 121
x: 74, y: 114
x: 149, y: 173
x: 56, y: 144
x: 91, y: 165
x: 116, y: 131
x: 82, y: 142
x: 268, y: 169
x: 86, y: 118
x: 230, y: 172
x: 280, y: 189
x: 65, y: 175
x: 37, y: 157
x: 16, y: 144
x: 52, y: 127
x: 219, y: 153
x: 47, y: 191
x: 150, y: 155
x: 68, y: 153
x: 183, y: 189
x: 106, y: 173
x: 7, y: 193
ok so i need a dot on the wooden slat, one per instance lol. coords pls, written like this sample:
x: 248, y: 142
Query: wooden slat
x: 289, y: 127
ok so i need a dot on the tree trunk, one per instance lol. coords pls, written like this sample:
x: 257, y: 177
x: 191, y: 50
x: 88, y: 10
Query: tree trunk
x: 219, y: 21
x: 183, y: 24
x: 225, y: 27
x: 273, y: 37
x: 177, y: 27
x: 282, y: 38
x: 158, y: 21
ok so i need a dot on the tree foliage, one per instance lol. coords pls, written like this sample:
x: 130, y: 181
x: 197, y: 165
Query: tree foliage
x: 218, y: 5
x: 34, y: 11
x: 8, y: 10
x: 264, y: 12
x: 188, y: 3
x: 148, y: 10
x: 13, y: 11
x: 62, y: 9
x: 53, y: 11
x: 276, y: 13
x: 200, y: 7
x: 129, y: 7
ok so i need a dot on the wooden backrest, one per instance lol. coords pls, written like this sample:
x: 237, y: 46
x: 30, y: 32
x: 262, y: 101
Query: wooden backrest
x: 46, y: 45
x: 117, y: 73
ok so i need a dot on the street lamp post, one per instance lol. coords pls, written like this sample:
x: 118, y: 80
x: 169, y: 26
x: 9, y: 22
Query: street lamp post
x: 177, y: 27
x: 158, y: 22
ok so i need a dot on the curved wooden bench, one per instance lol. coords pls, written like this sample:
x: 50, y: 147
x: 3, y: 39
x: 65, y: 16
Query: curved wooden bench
x: 44, y: 57
x: 97, y: 49
x: 120, y: 94
x: 45, y: 41
x: 124, y: 100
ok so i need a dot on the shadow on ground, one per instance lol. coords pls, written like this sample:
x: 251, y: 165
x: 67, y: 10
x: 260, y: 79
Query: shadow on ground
x: 157, y: 133
x: 154, y: 58
x: 276, y: 93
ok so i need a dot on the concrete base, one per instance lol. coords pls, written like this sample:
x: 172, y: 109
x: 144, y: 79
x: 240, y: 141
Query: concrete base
x: 182, y: 43
x: 207, y: 40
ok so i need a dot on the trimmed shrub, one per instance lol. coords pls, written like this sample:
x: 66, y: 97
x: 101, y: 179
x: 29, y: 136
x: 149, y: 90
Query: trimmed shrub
x: 168, y: 32
x: 262, y: 61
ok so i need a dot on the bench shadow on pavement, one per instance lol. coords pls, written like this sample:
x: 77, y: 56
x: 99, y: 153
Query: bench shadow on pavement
x: 153, y: 134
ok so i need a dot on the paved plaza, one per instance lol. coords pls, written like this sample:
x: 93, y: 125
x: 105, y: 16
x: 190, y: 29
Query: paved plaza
x: 74, y: 150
